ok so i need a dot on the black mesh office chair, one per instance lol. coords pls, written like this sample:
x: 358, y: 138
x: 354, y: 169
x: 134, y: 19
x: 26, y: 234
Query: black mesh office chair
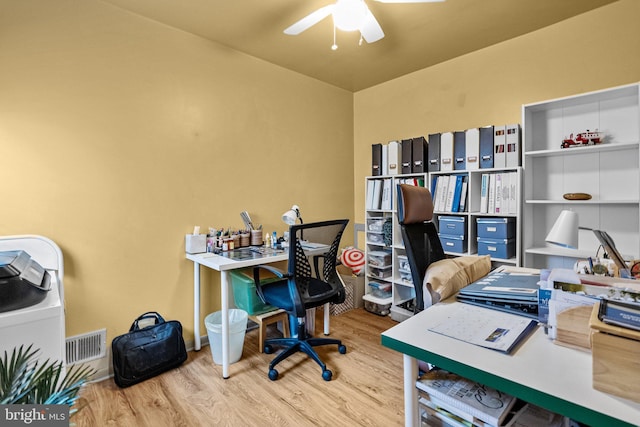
x: 419, y: 234
x: 300, y: 289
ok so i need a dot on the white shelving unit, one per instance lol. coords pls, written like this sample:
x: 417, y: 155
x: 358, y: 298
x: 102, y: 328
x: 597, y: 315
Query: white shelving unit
x: 474, y: 178
x: 402, y: 291
x: 609, y: 172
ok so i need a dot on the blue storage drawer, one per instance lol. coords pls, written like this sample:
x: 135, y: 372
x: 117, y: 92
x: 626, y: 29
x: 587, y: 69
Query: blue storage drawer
x: 453, y: 225
x: 451, y: 243
x: 497, y: 248
x: 496, y: 228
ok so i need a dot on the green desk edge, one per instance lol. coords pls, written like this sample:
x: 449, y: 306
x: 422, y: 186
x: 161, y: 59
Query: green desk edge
x: 561, y: 406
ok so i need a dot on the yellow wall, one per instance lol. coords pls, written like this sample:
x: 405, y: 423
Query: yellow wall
x: 118, y: 135
x: 596, y: 50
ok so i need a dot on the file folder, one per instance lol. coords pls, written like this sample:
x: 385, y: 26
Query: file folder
x: 406, y: 156
x: 419, y: 150
x: 499, y: 142
x: 513, y: 145
x: 384, y: 163
x: 376, y: 159
x: 434, y: 152
x: 473, y: 148
x: 393, y: 158
x: 446, y: 151
x: 486, y: 147
x: 459, y: 150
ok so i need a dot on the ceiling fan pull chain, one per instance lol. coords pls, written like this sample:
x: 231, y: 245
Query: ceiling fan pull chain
x: 334, y: 46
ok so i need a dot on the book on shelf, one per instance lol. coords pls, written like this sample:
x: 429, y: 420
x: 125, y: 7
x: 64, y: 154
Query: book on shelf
x: 466, y: 399
x: 385, y: 202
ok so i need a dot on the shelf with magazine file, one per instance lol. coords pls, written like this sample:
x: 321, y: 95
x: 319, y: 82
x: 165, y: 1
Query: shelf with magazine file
x: 608, y: 171
x: 475, y: 209
x: 402, y: 292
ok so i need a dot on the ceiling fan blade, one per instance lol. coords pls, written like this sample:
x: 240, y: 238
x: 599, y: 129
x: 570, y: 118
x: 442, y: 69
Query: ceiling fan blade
x: 309, y: 20
x: 409, y: 1
x: 371, y: 30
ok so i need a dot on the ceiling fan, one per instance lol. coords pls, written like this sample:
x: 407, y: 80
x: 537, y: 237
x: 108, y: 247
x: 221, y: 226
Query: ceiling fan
x: 348, y: 15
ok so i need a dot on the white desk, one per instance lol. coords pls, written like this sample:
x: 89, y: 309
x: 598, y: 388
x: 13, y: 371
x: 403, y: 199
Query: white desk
x: 224, y: 263
x: 540, y: 372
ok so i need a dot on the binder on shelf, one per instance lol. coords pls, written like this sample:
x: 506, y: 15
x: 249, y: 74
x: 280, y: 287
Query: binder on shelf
x: 486, y: 147
x: 419, y: 154
x: 499, y: 141
x: 376, y: 159
x: 385, y: 202
x: 393, y: 158
x: 513, y: 142
x: 451, y: 189
x: 491, y: 208
x: 434, y: 186
x: 497, y: 204
x: 459, y: 150
x: 506, y: 196
x: 463, y: 196
x: 370, y: 193
x: 513, y: 192
x: 377, y: 194
x: 446, y: 151
x: 443, y: 185
x: 434, y: 152
x: 457, y: 192
x: 484, y: 193
x: 472, y: 139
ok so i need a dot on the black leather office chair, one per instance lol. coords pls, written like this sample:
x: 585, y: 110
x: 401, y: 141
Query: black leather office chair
x: 419, y: 234
x: 300, y: 290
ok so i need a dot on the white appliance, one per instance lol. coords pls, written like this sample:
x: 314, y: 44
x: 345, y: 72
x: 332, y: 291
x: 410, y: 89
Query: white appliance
x: 41, y: 324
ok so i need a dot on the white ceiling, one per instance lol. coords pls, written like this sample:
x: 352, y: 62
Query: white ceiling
x: 417, y: 35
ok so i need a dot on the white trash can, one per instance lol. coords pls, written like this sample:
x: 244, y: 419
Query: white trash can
x: 237, y: 329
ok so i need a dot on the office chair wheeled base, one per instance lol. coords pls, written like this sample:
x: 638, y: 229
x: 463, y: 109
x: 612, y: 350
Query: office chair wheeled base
x: 306, y: 345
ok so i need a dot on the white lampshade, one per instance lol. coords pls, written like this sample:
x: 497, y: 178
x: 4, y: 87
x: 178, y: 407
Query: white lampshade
x: 565, y: 230
x: 290, y: 216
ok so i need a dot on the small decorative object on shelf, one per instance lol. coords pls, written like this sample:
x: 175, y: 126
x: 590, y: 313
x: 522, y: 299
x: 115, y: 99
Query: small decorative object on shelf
x: 577, y: 196
x: 583, y: 138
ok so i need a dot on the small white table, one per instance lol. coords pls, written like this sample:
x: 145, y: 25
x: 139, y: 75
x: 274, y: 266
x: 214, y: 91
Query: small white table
x: 540, y: 372
x: 224, y: 263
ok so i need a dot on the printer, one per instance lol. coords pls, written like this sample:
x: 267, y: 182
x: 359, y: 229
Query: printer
x: 23, y: 282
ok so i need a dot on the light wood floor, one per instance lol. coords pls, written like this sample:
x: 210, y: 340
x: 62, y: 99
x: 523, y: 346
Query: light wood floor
x: 366, y: 389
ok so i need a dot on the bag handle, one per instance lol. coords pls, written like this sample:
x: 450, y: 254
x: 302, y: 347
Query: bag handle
x: 148, y: 315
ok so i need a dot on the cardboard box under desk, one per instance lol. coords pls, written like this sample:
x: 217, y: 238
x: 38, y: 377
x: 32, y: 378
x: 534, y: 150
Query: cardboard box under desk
x: 616, y: 358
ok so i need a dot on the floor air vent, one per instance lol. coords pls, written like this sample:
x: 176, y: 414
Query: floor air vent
x: 86, y: 347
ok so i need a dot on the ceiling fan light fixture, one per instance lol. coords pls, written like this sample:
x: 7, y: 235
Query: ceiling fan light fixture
x: 349, y: 15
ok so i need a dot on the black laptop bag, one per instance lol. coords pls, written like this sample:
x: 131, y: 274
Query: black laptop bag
x: 143, y: 353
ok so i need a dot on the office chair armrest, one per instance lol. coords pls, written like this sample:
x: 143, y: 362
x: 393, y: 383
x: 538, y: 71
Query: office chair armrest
x: 256, y: 277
